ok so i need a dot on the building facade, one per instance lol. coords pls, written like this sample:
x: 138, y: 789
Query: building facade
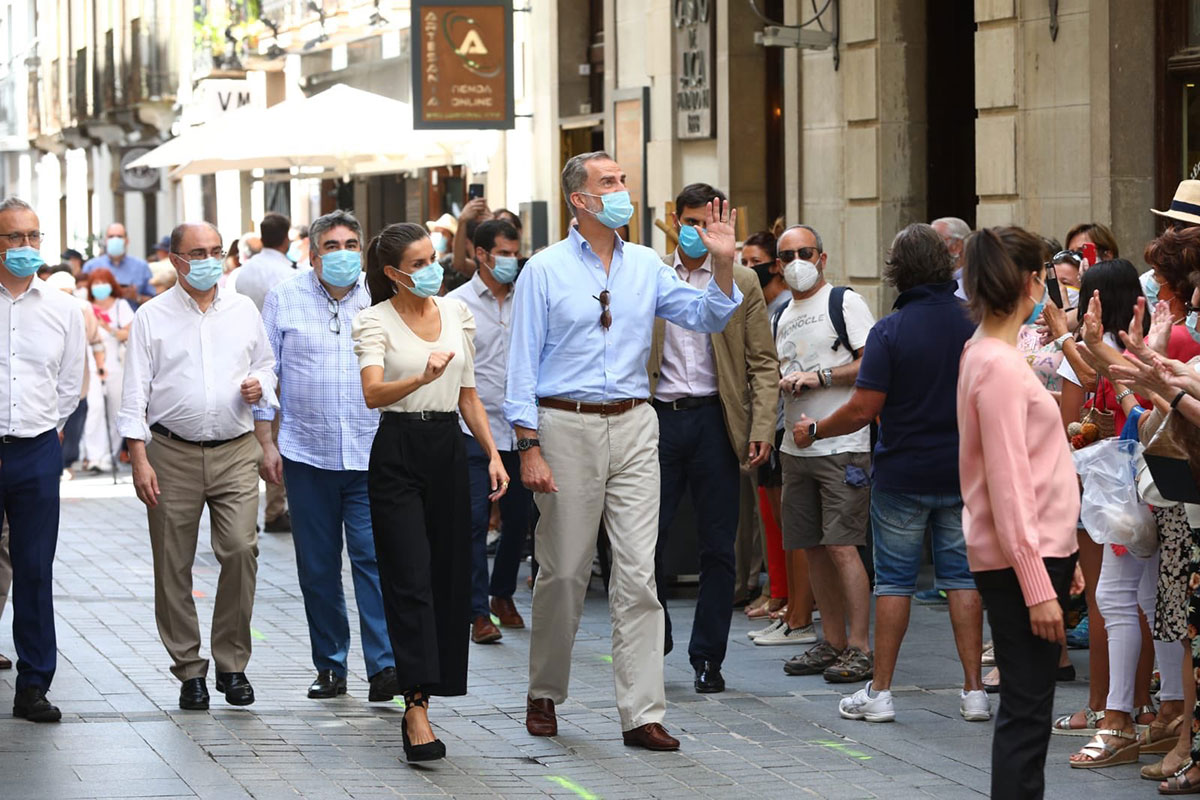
x: 997, y: 111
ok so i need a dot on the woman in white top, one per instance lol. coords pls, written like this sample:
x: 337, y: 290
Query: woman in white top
x: 416, y: 355
x: 101, y: 442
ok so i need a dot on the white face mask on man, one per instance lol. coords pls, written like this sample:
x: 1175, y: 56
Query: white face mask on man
x: 801, y: 275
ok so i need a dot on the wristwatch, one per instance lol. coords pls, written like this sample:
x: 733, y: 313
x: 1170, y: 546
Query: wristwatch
x: 812, y: 431
x: 1121, y: 395
x: 1060, y: 341
x: 526, y: 444
x: 826, y: 377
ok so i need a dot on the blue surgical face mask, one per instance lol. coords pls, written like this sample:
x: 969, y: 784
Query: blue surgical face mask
x: 293, y: 252
x: 102, y: 291
x: 427, y: 281
x: 115, y: 246
x: 341, y: 267
x: 690, y: 242
x: 1190, y: 324
x: 23, y: 261
x: 617, y: 210
x: 1150, y: 289
x: 439, y: 241
x: 204, y: 274
x: 1037, y: 307
x: 504, y: 268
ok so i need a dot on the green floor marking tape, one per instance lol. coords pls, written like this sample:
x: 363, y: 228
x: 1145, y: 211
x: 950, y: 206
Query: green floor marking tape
x: 572, y: 786
x: 843, y: 749
x: 257, y: 634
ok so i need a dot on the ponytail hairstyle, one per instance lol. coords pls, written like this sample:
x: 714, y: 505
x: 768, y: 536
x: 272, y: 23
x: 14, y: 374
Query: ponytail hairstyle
x: 387, y: 250
x: 999, y: 261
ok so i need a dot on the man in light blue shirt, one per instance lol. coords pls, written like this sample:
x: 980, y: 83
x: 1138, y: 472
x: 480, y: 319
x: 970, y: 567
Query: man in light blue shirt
x: 577, y: 395
x: 131, y: 272
x: 325, y: 436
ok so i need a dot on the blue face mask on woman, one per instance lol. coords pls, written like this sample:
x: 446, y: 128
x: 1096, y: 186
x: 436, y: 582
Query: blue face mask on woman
x: 690, y: 242
x: 102, y: 291
x: 1037, y: 307
x: 341, y: 267
x: 617, y: 208
x: 427, y: 281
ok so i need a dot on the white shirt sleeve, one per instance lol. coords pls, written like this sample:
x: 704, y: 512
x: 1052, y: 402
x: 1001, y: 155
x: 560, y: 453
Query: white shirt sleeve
x: 135, y: 391
x: 859, y: 319
x: 70, y: 373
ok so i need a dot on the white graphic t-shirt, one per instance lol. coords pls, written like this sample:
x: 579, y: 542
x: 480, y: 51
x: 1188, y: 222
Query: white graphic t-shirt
x: 805, y: 342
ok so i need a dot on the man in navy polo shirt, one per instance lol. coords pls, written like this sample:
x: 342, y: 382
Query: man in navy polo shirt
x: 908, y: 379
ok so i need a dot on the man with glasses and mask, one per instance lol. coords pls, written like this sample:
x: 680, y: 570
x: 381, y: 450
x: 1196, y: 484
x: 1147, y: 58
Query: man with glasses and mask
x: 325, y: 434
x: 41, y: 381
x: 488, y: 294
x: 577, y: 395
x: 197, y: 360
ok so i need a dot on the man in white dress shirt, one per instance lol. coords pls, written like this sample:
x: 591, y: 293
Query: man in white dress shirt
x: 258, y: 275
x: 41, y: 380
x: 197, y: 360
x: 489, y: 296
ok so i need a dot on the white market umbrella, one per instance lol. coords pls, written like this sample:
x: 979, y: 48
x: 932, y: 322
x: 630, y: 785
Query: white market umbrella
x: 341, y: 129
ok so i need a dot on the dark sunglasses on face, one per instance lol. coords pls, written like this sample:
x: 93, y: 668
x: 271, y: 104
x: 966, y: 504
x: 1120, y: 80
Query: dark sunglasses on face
x: 804, y: 254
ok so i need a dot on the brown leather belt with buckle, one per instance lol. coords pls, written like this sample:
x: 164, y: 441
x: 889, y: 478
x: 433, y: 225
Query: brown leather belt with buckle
x: 603, y: 409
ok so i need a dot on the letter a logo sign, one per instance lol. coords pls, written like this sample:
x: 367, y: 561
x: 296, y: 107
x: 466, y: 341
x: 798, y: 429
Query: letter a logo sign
x: 472, y: 44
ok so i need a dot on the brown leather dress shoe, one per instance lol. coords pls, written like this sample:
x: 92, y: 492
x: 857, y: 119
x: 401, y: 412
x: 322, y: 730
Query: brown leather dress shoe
x: 651, y: 736
x: 5, y: 663
x: 507, y: 613
x: 539, y: 717
x: 484, y: 632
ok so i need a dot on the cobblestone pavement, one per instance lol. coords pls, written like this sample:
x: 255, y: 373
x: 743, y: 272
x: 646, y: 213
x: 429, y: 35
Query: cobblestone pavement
x: 768, y: 736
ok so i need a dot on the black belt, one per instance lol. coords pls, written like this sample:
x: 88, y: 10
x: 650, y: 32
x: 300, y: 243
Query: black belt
x: 688, y: 403
x: 161, y: 429
x: 421, y: 416
x: 20, y: 439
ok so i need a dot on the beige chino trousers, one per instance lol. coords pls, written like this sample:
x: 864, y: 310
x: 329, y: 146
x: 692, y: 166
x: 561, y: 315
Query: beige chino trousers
x: 606, y: 468
x: 224, y: 478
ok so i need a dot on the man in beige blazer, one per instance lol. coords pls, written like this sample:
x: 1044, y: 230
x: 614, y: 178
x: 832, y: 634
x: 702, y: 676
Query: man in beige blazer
x: 716, y: 397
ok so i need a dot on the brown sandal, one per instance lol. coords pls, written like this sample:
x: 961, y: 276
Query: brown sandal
x: 1180, y: 783
x: 1159, y: 739
x: 1158, y: 770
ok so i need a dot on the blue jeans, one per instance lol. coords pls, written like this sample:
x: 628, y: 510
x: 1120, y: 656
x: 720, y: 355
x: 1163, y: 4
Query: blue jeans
x: 516, y: 508
x: 30, y: 470
x: 323, y: 502
x: 898, y: 524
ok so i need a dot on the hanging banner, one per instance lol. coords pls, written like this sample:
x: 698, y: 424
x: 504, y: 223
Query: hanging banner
x: 462, y: 59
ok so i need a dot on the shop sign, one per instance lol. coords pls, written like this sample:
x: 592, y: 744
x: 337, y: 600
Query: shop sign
x: 462, y: 64
x: 695, y: 87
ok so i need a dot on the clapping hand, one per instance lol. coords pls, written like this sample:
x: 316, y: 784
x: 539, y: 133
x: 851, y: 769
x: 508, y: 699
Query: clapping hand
x: 719, y: 233
x: 1092, y: 329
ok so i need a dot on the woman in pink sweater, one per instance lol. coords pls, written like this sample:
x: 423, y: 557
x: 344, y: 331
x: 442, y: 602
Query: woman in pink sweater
x: 1020, y: 499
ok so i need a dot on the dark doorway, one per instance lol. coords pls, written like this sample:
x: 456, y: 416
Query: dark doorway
x: 950, y: 89
x: 773, y: 168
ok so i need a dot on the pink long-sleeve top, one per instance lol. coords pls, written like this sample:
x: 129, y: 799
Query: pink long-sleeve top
x: 1020, y: 495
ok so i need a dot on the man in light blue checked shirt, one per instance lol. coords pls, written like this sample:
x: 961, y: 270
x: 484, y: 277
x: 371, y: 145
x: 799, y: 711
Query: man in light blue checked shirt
x: 577, y: 395
x: 325, y: 440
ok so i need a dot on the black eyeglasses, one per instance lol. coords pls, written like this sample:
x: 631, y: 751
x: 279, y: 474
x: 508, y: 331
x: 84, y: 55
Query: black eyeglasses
x: 1074, y: 256
x: 34, y: 238
x: 803, y: 253
x: 605, y: 314
x: 335, y: 325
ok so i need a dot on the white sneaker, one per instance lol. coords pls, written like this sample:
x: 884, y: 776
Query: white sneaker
x: 974, y: 706
x: 784, y: 635
x: 861, y: 705
x: 775, y: 623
